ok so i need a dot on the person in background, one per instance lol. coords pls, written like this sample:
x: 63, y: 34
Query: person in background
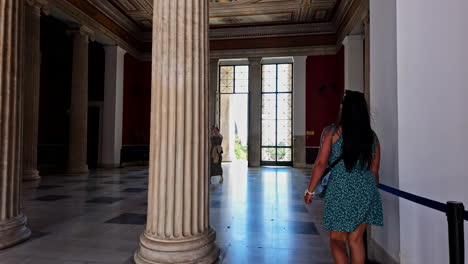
x: 216, y: 154
x: 352, y: 200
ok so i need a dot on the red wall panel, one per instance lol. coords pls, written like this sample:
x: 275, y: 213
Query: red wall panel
x: 324, y: 90
x: 137, y: 102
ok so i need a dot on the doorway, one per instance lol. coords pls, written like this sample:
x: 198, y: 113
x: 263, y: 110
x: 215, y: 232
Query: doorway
x: 277, y: 114
x: 233, y: 111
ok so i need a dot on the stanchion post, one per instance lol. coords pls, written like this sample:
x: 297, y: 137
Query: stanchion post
x: 455, y: 220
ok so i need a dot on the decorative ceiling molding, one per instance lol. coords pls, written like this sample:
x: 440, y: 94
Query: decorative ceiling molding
x: 224, y: 3
x: 274, y: 52
x: 128, y: 23
x: 355, y: 15
x: 272, y: 31
x: 107, y: 27
x: 276, y: 42
x: 273, y: 12
x: 341, y: 11
x: 139, y: 11
x: 113, y: 13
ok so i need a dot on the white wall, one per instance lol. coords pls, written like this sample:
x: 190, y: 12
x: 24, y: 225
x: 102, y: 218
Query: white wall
x: 433, y: 123
x: 383, y: 98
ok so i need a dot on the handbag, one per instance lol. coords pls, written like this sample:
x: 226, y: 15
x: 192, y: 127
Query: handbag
x: 322, y: 186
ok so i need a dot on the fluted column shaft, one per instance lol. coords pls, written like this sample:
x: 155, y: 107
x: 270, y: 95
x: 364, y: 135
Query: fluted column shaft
x: 12, y: 222
x: 31, y: 85
x: 255, y: 111
x: 213, y: 95
x: 178, y: 229
x: 78, y: 139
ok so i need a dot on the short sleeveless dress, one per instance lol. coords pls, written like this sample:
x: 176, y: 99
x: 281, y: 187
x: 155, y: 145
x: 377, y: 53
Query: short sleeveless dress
x: 352, y: 198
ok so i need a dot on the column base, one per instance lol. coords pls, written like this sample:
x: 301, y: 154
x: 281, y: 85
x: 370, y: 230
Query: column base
x: 200, y: 250
x: 31, y: 175
x: 13, y: 231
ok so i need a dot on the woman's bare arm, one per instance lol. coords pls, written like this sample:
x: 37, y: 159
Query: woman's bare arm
x: 375, y: 166
x: 320, y: 164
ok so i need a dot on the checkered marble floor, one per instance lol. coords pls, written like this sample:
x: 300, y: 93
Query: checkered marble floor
x: 258, y: 214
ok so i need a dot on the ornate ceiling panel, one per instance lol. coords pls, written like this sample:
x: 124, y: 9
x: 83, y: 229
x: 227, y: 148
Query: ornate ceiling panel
x: 272, y: 12
x: 131, y: 20
x: 228, y: 13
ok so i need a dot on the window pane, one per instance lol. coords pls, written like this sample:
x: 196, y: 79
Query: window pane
x: 284, y: 133
x: 269, y: 106
x: 227, y: 79
x: 269, y: 78
x: 268, y: 154
x: 284, y: 77
x: 284, y: 154
x: 268, y: 132
x: 242, y: 79
x: 284, y: 106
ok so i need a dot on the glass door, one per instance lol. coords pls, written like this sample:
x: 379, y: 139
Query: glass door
x: 233, y: 111
x: 277, y: 114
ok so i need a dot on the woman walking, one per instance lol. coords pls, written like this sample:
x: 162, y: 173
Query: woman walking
x: 352, y: 200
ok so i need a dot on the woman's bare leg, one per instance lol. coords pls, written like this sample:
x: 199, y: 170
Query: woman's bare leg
x: 356, y: 245
x: 338, y: 247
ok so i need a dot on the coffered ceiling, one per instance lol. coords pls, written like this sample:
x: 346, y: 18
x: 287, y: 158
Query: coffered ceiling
x: 137, y: 14
x: 131, y: 20
x: 270, y: 12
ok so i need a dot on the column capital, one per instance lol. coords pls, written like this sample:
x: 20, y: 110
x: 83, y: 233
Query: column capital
x: 39, y: 6
x: 351, y: 38
x: 84, y: 31
x: 255, y: 61
x: 119, y: 50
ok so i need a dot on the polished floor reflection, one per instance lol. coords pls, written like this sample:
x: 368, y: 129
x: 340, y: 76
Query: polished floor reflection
x: 258, y: 214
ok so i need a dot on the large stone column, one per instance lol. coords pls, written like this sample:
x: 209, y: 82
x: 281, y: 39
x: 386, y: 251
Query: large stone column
x: 78, y: 140
x: 178, y: 227
x: 299, y: 119
x: 227, y: 129
x: 31, y: 85
x: 213, y: 105
x: 354, y: 63
x: 113, y: 107
x: 12, y: 222
x: 255, y: 111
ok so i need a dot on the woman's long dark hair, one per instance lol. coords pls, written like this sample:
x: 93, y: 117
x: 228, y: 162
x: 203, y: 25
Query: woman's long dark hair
x: 358, y: 136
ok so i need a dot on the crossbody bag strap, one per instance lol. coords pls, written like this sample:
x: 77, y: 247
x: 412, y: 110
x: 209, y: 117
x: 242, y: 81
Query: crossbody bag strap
x: 334, y: 127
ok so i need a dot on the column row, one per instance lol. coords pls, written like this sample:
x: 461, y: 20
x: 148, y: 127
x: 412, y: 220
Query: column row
x: 113, y: 97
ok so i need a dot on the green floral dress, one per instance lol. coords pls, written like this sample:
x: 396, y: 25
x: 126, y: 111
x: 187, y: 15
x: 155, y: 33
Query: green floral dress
x: 351, y: 198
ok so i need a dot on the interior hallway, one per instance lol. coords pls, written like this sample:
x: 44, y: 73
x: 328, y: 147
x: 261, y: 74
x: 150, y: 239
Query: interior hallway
x: 259, y: 216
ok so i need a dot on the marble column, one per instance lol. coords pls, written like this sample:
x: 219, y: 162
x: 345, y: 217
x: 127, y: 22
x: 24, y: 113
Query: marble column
x: 354, y: 63
x: 255, y: 111
x: 31, y: 86
x: 78, y: 139
x: 12, y: 222
x: 299, y: 110
x: 227, y: 128
x: 213, y: 101
x: 178, y: 228
x: 113, y: 107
